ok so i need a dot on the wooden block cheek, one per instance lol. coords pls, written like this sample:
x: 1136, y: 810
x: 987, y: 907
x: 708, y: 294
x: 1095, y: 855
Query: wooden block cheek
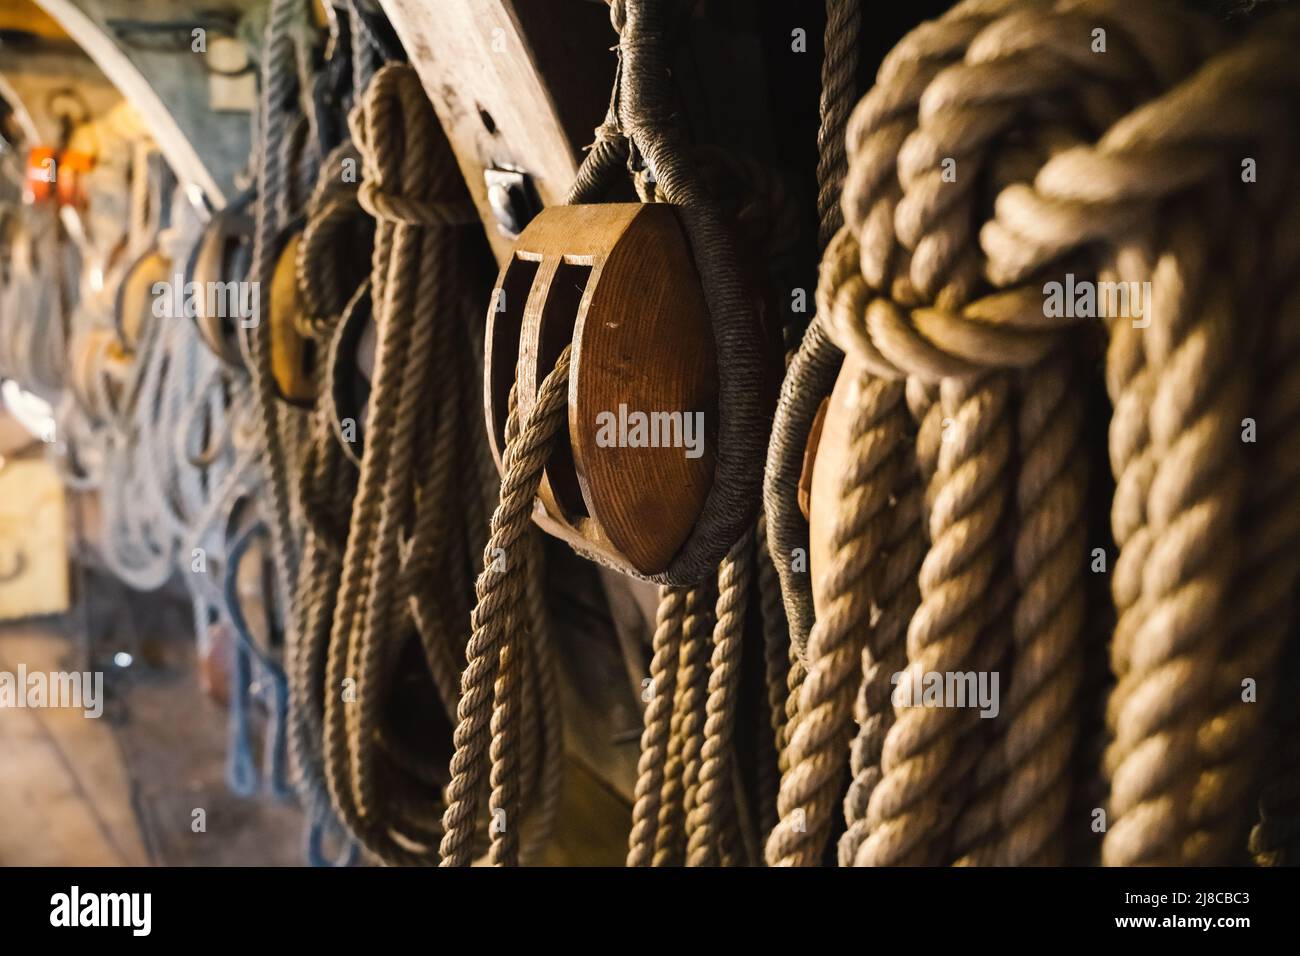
x: 561, y: 291
x: 644, y: 344
x: 504, y: 328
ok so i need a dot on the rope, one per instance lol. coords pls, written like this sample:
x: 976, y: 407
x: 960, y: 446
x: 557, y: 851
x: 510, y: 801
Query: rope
x: 279, y: 88
x: 821, y: 731
x: 647, y: 795
x: 996, y: 152
x: 1038, y: 736
x: 884, y: 646
x: 839, y: 81
x: 711, y: 820
x: 776, y: 674
x: 382, y: 531
x: 811, y: 370
x: 496, y: 622
x: 685, y: 804
x: 685, y: 728
x: 155, y: 426
x: 1077, y: 150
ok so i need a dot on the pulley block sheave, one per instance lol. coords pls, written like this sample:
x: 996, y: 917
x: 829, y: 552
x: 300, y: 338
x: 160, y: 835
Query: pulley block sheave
x: 221, y: 257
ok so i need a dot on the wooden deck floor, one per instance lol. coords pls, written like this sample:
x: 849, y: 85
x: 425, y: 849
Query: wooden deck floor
x: 120, y: 790
x: 65, y: 796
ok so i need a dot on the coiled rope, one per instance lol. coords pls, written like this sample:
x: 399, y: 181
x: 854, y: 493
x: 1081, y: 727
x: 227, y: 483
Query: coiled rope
x: 393, y: 540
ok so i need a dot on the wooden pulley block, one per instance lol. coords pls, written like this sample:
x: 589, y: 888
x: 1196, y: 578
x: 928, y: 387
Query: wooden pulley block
x: 99, y: 369
x: 223, y: 255
x: 137, y: 296
x: 629, y: 476
x: 292, y: 355
x: 826, y: 462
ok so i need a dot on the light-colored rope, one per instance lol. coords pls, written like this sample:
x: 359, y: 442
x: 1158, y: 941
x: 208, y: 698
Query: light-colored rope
x: 820, y: 736
x: 383, y: 532
x: 915, y: 287
x: 496, y: 617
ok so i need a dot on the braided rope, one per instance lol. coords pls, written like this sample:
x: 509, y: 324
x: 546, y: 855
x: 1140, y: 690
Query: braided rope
x: 776, y: 669
x: 658, y: 715
x: 883, y: 655
x: 1192, y: 505
x: 839, y: 78
x: 684, y: 729
x: 279, y: 86
x: 811, y: 370
x: 378, y: 537
x: 1038, y: 724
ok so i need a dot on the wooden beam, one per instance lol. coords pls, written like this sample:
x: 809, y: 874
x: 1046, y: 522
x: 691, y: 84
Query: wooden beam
x: 517, y: 84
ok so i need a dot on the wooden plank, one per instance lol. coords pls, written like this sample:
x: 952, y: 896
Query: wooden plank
x: 66, y: 799
x: 592, y: 824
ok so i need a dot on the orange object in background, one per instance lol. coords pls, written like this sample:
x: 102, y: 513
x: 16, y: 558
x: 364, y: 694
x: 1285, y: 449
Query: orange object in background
x: 42, y: 175
x: 53, y: 175
x: 72, y: 166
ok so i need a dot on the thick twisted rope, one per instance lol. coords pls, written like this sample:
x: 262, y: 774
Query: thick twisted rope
x: 909, y: 292
x: 379, y: 537
x: 658, y: 715
x: 776, y: 674
x: 811, y: 369
x: 711, y: 825
x: 279, y: 87
x: 820, y: 735
x: 884, y: 653
x: 684, y: 728
x: 1038, y: 726
x: 497, y: 617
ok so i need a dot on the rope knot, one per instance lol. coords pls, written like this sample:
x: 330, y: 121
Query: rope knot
x: 1004, y: 147
x: 899, y: 334
x: 410, y: 178
x: 404, y: 210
